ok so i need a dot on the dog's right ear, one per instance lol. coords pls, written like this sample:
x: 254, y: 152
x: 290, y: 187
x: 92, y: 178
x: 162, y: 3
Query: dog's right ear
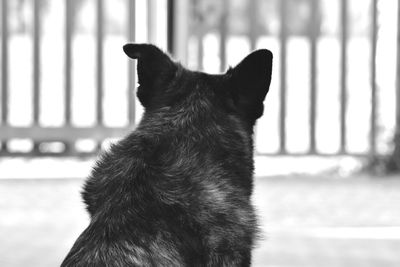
x: 155, y: 69
x: 152, y: 62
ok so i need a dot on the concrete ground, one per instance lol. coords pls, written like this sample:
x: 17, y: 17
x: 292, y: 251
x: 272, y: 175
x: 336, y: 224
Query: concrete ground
x: 306, y: 221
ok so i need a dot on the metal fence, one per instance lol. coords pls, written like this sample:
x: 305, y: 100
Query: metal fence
x: 188, y: 25
x: 62, y: 138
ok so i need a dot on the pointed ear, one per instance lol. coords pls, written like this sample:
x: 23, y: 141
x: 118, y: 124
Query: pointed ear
x: 250, y: 81
x: 155, y: 70
x: 152, y: 64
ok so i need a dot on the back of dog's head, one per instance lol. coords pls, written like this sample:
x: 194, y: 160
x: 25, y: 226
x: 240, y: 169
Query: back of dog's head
x: 165, y: 83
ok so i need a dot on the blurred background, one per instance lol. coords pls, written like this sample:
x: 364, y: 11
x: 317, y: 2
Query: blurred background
x: 327, y: 186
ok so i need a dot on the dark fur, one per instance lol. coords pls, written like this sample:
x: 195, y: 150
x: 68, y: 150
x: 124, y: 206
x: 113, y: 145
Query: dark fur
x: 176, y: 191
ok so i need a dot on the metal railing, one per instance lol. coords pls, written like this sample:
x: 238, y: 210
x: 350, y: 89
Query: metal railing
x: 312, y: 34
x: 67, y: 134
x: 184, y: 22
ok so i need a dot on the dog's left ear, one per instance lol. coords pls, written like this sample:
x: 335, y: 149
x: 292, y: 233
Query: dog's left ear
x: 249, y: 82
x: 154, y: 68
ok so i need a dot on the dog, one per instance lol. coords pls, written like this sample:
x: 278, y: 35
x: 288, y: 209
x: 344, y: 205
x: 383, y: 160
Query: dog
x: 176, y: 191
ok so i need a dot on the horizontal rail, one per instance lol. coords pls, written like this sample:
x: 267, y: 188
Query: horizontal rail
x: 64, y: 133
x: 312, y: 154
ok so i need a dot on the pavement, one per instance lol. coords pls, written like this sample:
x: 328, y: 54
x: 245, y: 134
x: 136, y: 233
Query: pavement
x: 305, y: 220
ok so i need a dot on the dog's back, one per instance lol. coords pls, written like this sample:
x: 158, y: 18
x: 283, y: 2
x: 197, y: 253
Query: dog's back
x: 176, y: 191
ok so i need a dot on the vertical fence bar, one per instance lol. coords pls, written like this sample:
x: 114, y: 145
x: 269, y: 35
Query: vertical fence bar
x: 397, y: 134
x: 374, y: 33
x: 199, y: 29
x: 4, y: 68
x: 283, y: 52
x: 181, y: 29
x: 68, y: 61
x: 343, y: 74
x: 4, y: 62
x: 313, y: 35
x: 36, y: 61
x: 69, y: 148
x: 252, y: 16
x: 170, y: 26
x: 394, y: 161
x: 36, y: 67
x: 99, y: 60
x: 152, y: 21
x: 223, y: 35
x: 200, y: 49
x: 131, y: 63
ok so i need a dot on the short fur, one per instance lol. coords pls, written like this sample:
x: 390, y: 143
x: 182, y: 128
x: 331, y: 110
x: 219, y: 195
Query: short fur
x: 176, y: 191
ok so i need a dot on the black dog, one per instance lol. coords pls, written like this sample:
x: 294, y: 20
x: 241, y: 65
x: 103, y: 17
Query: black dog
x: 176, y: 191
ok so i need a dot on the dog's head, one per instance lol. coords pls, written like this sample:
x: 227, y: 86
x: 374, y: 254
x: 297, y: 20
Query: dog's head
x: 240, y: 91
